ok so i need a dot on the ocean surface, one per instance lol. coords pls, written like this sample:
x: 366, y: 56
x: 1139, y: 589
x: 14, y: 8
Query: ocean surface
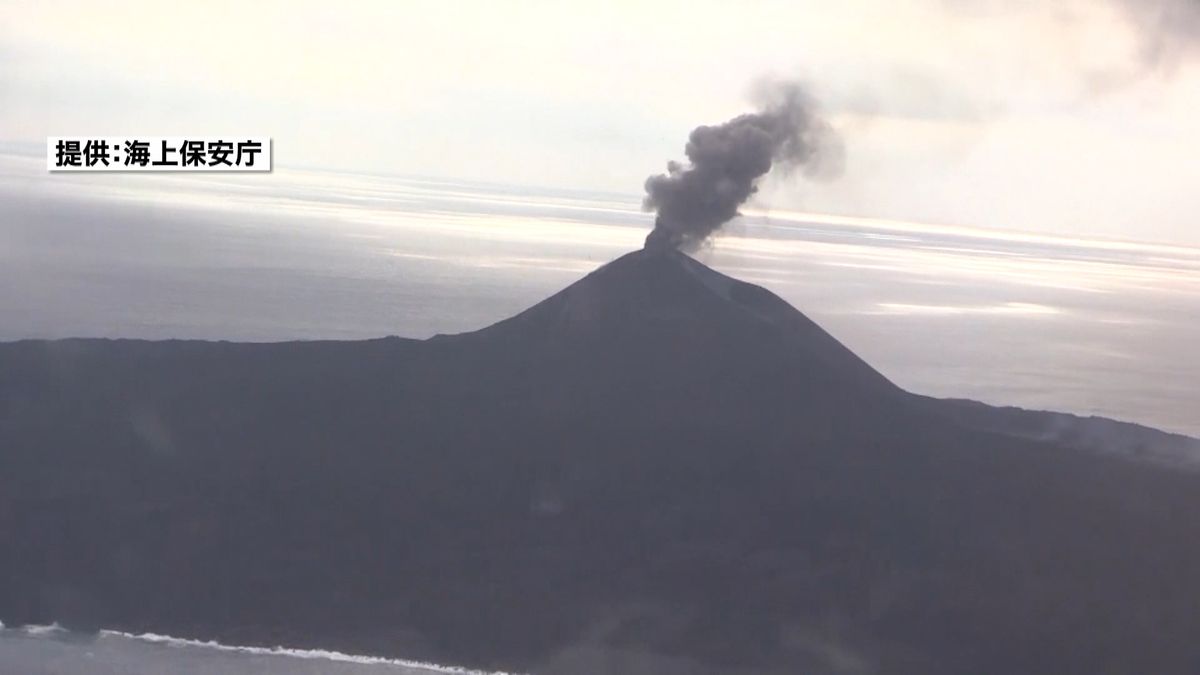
x: 1093, y: 327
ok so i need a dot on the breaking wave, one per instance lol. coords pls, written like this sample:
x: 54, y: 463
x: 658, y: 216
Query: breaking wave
x: 55, y: 630
x: 323, y: 654
x: 41, y: 631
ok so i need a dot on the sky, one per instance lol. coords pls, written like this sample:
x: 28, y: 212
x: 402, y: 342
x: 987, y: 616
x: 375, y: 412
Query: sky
x: 1069, y: 118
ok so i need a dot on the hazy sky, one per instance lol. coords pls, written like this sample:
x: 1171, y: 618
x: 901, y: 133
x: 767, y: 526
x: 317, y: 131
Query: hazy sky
x: 1067, y: 117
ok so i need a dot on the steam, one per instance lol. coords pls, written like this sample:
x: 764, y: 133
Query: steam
x: 726, y: 161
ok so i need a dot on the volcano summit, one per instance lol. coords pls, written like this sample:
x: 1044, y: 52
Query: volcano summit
x: 660, y: 469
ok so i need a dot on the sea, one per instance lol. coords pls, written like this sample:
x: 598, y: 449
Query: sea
x: 1075, y: 324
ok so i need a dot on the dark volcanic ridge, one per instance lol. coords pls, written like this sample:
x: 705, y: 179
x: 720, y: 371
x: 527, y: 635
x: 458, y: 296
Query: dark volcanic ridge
x: 659, y: 469
x: 660, y: 285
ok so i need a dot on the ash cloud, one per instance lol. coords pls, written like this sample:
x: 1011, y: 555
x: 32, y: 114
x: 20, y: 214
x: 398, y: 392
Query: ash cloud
x: 726, y: 161
x: 1169, y: 30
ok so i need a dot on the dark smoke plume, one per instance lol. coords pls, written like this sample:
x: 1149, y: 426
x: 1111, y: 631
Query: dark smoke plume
x: 726, y: 161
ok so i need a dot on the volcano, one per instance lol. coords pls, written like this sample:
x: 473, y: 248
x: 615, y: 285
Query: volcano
x: 660, y: 469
